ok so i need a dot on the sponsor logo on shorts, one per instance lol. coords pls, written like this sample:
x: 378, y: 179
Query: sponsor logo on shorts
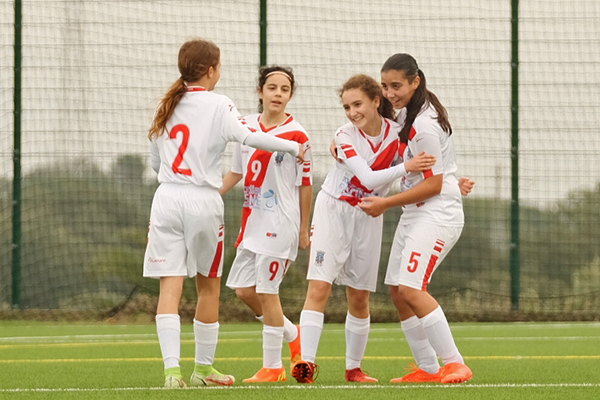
x: 319, y: 258
x: 156, y: 260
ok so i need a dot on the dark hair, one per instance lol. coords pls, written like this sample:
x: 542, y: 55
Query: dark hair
x: 265, y: 71
x: 196, y: 56
x: 372, y: 89
x: 407, y: 64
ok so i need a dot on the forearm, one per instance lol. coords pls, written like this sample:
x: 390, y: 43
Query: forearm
x: 271, y: 143
x: 306, y: 193
x: 372, y: 179
x: 425, y: 190
x: 229, y: 181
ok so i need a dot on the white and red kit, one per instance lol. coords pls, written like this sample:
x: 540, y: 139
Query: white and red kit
x: 428, y: 230
x: 271, y: 212
x: 345, y: 241
x: 186, y: 220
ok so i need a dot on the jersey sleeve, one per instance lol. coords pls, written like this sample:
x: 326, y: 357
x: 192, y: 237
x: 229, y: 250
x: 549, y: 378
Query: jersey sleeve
x: 267, y: 142
x: 370, y: 178
x: 345, y: 146
x: 429, y: 142
x: 235, y: 128
x: 236, y: 160
x: 304, y: 176
x: 154, y: 156
x: 359, y: 167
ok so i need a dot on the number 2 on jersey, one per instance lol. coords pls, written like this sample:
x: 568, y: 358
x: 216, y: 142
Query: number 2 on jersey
x: 182, y: 148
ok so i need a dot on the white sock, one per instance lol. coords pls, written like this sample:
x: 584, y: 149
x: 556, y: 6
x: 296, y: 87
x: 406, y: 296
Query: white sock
x: 272, y: 344
x: 439, y: 334
x: 311, y: 327
x: 290, y: 331
x: 168, y: 327
x: 416, y: 337
x: 206, y: 337
x: 357, y: 335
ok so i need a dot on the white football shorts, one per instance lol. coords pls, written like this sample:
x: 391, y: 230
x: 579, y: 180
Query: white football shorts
x: 185, y: 236
x: 417, y: 251
x: 252, y: 269
x: 345, y: 244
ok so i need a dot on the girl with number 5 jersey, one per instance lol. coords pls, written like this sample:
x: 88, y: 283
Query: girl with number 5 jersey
x: 346, y: 243
x: 276, y: 213
x: 431, y: 222
x: 189, y: 133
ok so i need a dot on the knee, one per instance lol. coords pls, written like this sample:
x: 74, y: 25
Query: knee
x: 245, y: 294
x: 404, y: 294
x: 359, y: 301
x: 318, y: 292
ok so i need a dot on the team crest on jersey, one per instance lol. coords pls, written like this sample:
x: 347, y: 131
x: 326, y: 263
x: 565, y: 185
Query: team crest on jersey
x: 270, y: 199
x: 279, y: 158
x: 319, y: 258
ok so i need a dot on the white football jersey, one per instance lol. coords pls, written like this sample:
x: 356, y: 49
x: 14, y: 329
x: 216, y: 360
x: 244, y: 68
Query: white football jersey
x: 380, y: 152
x: 426, y: 135
x: 271, y: 213
x: 191, y: 150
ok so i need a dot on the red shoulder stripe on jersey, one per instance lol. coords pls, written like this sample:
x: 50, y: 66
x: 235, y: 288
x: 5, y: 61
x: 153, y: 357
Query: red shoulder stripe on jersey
x: 385, y: 158
x: 296, y: 136
x: 402, y: 149
x: 412, y: 133
x: 427, y: 174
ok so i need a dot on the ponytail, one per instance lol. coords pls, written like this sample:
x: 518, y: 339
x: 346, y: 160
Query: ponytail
x: 166, y: 107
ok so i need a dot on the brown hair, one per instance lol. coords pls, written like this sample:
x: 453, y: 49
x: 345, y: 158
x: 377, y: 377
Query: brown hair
x: 407, y: 64
x: 265, y: 71
x: 372, y: 89
x: 196, y: 56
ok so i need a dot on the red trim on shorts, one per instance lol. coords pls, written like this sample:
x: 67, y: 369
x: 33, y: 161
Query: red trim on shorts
x: 430, y: 267
x: 217, y: 261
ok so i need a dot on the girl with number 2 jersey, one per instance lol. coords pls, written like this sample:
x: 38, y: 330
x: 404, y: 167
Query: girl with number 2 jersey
x: 189, y: 133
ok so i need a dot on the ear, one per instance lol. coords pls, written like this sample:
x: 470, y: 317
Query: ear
x: 416, y: 82
x: 210, y: 72
x: 260, y: 93
x: 377, y: 101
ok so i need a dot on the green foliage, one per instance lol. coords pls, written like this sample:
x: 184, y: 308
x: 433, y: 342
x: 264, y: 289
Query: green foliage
x: 84, y: 236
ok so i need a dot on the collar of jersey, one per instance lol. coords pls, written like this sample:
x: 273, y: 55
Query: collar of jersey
x: 262, y: 127
x: 386, y: 126
x: 195, y: 89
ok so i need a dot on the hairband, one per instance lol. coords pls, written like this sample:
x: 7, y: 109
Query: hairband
x: 278, y: 72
